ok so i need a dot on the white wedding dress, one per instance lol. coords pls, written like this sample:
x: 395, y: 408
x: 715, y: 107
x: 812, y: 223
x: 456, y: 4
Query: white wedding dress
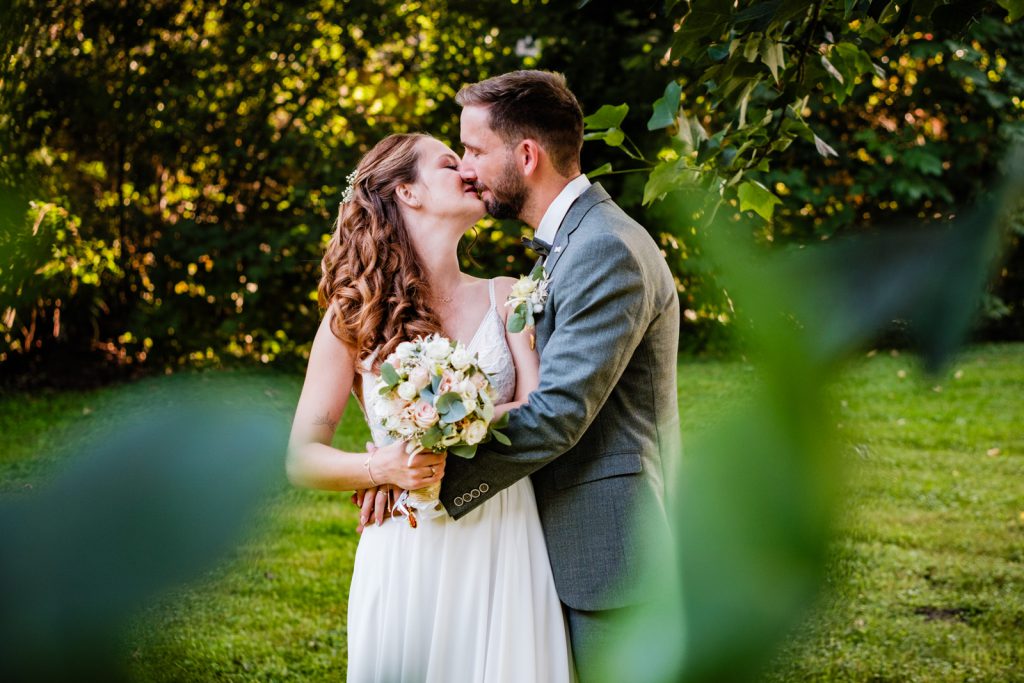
x: 459, y: 601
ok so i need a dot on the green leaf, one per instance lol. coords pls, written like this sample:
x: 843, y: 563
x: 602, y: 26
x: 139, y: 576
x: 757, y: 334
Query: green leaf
x: 703, y: 24
x: 666, y: 107
x: 666, y: 177
x: 755, y: 196
x: 1014, y: 7
x: 445, y: 402
x: 607, y: 116
x: 600, y: 171
x: 431, y: 437
x: 612, y: 137
x: 517, y: 321
x: 435, y: 383
x: 389, y: 375
x: 772, y: 56
x: 501, y: 438
x: 456, y: 411
x: 718, y: 53
x: 501, y: 422
x: 463, y: 451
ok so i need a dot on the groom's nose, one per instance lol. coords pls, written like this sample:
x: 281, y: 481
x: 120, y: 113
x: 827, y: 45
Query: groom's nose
x: 467, y: 172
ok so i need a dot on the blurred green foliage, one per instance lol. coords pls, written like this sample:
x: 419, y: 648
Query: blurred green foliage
x: 150, y: 498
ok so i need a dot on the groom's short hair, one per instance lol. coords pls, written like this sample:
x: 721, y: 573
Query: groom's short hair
x: 532, y: 104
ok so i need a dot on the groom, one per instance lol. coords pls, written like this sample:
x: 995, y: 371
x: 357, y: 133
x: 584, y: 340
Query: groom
x: 595, y: 432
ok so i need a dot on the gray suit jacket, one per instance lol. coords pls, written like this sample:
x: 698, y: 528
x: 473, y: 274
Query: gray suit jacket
x: 595, y: 432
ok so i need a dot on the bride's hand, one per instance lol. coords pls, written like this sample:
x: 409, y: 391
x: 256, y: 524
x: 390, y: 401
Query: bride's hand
x: 391, y: 465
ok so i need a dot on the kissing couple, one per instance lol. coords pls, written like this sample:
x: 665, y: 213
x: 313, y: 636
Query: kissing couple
x: 524, y: 566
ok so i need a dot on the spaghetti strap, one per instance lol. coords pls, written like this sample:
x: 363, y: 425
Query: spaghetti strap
x: 490, y: 288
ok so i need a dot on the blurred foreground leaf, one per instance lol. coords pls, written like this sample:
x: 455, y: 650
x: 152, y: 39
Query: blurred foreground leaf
x: 757, y: 492
x: 150, y: 501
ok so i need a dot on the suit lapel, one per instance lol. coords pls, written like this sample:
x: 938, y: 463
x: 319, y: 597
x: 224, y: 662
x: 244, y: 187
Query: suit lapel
x: 593, y: 195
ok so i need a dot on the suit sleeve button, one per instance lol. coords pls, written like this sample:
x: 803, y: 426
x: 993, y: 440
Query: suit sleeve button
x: 459, y: 502
x: 484, y: 488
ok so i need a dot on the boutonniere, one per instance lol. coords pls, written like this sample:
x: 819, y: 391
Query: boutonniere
x: 527, y: 298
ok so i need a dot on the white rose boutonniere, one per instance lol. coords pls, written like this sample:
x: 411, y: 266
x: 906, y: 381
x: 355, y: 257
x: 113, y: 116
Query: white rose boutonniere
x: 526, y: 299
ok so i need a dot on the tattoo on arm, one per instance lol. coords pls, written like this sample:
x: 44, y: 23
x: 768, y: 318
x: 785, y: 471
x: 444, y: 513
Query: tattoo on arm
x: 325, y: 421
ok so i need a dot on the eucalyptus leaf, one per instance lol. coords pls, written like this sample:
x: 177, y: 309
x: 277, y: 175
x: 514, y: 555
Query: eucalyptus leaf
x: 389, y: 375
x: 446, y: 400
x: 456, y: 411
x: 463, y: 450
x: 501, y: 438
x: 431, y: 437
x: 517, y: 321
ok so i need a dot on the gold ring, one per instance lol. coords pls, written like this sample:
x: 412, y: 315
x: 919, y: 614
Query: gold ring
x: 432, y: 471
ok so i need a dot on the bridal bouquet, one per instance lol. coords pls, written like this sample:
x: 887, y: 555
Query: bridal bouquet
x: 432, y: 393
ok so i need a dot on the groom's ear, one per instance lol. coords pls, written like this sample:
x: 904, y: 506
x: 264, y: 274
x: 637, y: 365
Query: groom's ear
x: 528, y: 155
x: 407, y: 195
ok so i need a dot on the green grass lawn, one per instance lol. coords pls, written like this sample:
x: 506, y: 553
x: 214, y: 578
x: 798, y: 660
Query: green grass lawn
x: 926, y: 581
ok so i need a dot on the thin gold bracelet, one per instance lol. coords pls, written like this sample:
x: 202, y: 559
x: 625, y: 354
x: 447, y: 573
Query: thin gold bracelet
x: 368, y: 472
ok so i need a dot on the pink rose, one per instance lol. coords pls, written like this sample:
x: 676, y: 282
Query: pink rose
x: 425, y: 415
x: 448, y: 380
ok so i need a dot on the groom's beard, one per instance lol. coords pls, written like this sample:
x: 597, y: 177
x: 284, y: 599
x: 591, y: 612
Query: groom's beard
x: 508, y: 194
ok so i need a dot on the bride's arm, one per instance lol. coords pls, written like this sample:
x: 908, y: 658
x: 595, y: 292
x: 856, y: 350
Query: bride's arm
x: 312, y: 461
x: 526, y: 360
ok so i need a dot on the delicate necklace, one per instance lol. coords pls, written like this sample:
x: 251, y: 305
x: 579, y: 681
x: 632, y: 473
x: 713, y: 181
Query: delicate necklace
x: 448, y: 299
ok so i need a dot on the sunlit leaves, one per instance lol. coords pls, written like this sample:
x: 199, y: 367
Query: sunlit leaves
x: 1014, y: 7
x: 756, y: 197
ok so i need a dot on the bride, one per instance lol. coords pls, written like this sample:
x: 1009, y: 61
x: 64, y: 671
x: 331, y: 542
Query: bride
x: 472, y: 600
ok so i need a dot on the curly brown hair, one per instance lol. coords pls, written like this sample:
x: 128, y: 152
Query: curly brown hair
x: 372, y: 279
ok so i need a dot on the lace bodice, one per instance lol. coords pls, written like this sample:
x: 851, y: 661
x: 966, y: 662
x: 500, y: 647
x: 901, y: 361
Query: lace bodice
x: 492, y: 351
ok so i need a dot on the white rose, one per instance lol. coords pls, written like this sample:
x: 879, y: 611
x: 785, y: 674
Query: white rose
x: 437, y: 348
x: 419, y: 376
x: 467, y: 390
x: 461, y: 358
x: 386, y: 407
x: 475, y: 432
x: 407, y: 390
x: 405, y: 350
x: 523, y: 288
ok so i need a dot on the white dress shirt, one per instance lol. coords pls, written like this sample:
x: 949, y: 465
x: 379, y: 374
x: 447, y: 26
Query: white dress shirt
x: 555, y: 214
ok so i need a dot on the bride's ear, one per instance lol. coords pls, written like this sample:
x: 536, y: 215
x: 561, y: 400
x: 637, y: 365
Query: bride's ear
x: 408, y: 195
